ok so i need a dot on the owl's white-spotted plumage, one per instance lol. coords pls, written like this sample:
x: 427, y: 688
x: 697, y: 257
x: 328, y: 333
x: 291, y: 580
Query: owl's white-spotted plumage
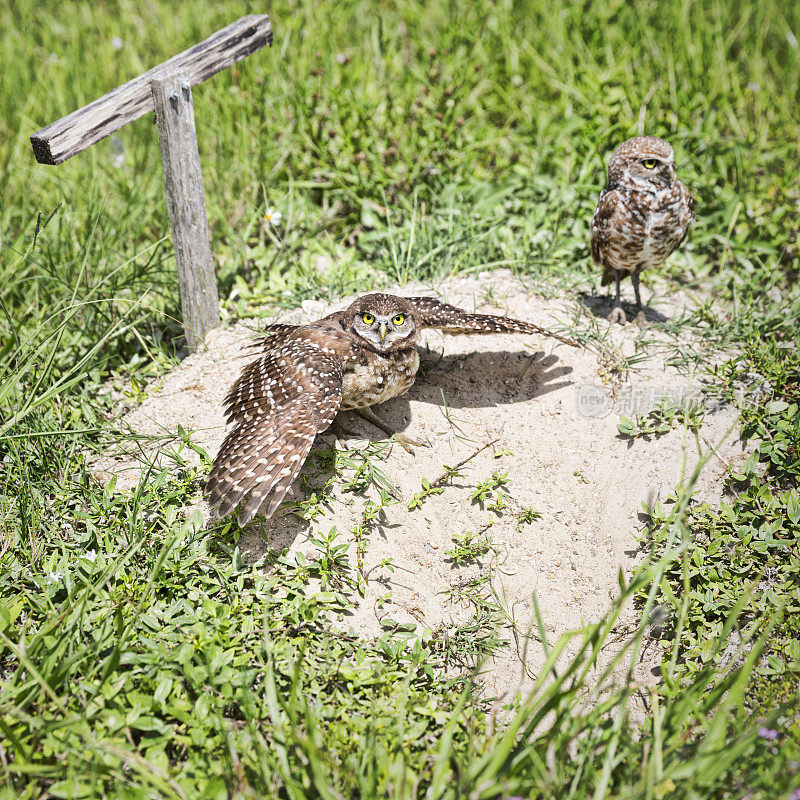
x: 351, y: 359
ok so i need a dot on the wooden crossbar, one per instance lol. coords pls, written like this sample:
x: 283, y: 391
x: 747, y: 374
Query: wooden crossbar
x: 70, y: 135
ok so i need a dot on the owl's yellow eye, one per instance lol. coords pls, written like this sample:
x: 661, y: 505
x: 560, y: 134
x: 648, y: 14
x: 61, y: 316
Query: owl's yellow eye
x: 368, y: 319
x: 649, y: 163
x: 399, y: 319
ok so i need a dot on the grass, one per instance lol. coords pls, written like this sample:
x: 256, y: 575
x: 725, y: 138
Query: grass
x: 747, y: 545
x: 143, y: 657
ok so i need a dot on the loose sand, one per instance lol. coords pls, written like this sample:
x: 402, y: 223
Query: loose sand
x: 551, y: 409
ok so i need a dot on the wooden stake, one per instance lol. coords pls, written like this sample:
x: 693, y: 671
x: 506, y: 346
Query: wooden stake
x: 183, y: 182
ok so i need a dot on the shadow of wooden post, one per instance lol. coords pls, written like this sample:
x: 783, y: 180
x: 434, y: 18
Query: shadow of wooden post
x: 167, y: 90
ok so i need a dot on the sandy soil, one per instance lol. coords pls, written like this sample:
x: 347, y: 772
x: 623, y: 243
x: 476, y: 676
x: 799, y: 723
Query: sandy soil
x: 553, y: 412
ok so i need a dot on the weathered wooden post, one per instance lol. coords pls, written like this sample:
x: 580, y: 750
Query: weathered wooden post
x: 167, y: 90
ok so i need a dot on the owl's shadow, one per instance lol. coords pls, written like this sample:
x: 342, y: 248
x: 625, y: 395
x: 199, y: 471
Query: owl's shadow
x: 482, y: 379
x: 600, y: 305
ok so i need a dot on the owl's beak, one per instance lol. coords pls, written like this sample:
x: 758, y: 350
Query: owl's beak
x: 382, y: 330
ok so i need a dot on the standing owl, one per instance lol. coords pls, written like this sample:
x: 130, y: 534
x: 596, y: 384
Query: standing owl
x: 643, y: 214
x: 349, y: 360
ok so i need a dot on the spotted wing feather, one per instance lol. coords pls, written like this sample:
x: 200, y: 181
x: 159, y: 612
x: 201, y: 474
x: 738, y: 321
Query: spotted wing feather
x: 608, y: 220
x: 271, y: 335
x: 433, y: 313
x: 279, y: 404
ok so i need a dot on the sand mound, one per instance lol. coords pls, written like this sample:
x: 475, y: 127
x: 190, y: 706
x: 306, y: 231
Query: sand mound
x: 551, y: 413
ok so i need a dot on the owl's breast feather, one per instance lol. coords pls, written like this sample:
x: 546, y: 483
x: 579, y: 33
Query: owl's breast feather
x: 379, y: 379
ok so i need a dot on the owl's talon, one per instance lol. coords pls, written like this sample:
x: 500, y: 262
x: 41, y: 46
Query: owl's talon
x: 617, y: 315
x: 406, y: 443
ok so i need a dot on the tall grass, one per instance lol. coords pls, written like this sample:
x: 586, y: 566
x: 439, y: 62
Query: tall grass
x: 124, y: 686
x: 360, y: 107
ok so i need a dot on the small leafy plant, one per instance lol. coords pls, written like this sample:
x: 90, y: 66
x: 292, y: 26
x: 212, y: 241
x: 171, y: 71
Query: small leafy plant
x: 527, y: 516
x: 486, y: 489
x: 469, y: 546
x: 661, y: 420
x: 428, y: 489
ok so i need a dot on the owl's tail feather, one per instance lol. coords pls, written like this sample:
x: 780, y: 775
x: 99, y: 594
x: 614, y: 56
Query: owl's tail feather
x: 608, y: 276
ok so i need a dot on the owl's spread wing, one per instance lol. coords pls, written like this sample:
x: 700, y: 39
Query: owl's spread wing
x: 279, y: 403
x: 434, y: 314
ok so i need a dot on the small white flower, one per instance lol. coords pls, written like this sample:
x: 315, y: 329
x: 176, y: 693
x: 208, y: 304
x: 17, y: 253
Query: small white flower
x: 90, y: 555
x: 55, y: 577
x: 273, y: 217
x: 116, y: 43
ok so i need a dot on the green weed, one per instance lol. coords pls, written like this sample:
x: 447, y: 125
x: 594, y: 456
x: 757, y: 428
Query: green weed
x: 661, y: 420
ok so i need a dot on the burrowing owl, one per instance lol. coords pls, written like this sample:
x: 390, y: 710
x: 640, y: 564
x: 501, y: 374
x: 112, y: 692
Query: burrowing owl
x: 351, y: 359
x: 642, y: 216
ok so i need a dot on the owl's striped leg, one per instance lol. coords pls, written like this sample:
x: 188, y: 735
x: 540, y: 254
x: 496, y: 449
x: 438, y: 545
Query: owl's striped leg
x: 617, y: 314
x: 640, y: 318
x: 404, y: 441
x: 635, y: 282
